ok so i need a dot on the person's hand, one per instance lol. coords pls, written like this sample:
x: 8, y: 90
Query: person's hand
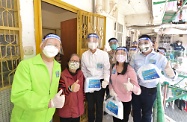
x: 75, y: 86
x: 128, y: 86
x: 169, y: 71
x: 104, y: 84
x: 58, y: 100
x: 113, y: 93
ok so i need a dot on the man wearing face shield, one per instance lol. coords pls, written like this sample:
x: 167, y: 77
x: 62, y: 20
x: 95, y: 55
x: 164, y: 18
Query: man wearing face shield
x: 113, y: 43
x: 142, y: 104
x: 34, y: 89
x: 132, y: 51
x: 95, y: 64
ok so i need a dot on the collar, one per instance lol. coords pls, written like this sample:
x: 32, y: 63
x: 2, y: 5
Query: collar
x: 96, y: 52
x: 38, y: 60
x: 152, y: 52
x: 66, y: 73
x: 112, y: 51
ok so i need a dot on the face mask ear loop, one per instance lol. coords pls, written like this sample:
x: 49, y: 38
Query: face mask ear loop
x: 126, y: 58
x: 151, y: 44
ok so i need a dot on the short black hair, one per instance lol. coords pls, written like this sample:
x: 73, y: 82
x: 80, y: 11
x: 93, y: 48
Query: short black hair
x: 144, y: 35
x: 162, y: 48
x: 112, y: 39
x: 48, y: 34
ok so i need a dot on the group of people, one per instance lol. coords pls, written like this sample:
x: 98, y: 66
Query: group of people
x: 39, y: 85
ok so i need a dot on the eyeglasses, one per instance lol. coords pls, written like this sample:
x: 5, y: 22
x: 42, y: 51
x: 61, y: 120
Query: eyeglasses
x: 74, y: 61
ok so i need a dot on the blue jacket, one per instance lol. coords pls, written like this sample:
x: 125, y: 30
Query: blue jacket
x: 177, y: 47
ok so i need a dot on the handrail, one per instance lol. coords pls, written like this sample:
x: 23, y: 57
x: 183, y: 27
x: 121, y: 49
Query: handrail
x: 158, y: 108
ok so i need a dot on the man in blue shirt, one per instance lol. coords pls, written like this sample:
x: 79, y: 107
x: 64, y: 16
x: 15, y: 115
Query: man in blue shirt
x: 178, y: 48
x: 142, y: 104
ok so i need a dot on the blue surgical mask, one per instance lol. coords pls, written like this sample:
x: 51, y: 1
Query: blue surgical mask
x: 113, y: 46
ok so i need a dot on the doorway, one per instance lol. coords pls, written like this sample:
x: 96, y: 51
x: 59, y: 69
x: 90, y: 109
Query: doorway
x: 72, y: 25
x: 63, y: 23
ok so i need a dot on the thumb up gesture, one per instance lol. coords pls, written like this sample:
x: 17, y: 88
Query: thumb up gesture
x: 128, y: 86
x: 57, y: 101
x: 75, y: 86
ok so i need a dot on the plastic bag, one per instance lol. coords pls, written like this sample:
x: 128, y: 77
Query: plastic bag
x: 92, y: 84
x: 114, y: 107
x: 149, y: 73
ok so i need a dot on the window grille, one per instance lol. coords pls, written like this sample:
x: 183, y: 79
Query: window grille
x: 90, y: 23
x: 9, y: 41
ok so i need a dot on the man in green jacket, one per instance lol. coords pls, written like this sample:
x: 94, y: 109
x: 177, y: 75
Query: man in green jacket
x: 35, y: 85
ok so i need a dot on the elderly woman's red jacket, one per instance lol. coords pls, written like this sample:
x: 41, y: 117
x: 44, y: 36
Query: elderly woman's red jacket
x: 74, y: 101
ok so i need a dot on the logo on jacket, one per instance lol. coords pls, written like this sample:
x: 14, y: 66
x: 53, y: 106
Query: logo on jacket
x: 57, y: 74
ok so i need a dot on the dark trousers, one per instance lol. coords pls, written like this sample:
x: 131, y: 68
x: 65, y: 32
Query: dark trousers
x: 177, y: 54
x: 107, y: 91
x: 142, y: 104
x: 95, y: 98
x: 126, y: 112
x: 70, y: 119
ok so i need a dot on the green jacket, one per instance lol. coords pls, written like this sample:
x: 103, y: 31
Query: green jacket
x: 32, y: 91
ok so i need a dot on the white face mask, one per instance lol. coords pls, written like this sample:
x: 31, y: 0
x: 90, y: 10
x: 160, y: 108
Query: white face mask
x: 145, y: 47
x: 50, y: 51
x: 131, y: 53
x: 121, y: 58
x: 74, y: 65
x: 92, y: 45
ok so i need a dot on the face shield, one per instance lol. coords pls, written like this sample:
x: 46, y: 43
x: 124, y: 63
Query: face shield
x: 93, y: 41
x: 132, y: 51
x: 121, y: 54
x: 113, y: 44
x: 145, y: 44
x: 162, y: 51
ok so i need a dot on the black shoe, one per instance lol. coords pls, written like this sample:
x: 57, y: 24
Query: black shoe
x: 108, y: 96
x: 105, y: 113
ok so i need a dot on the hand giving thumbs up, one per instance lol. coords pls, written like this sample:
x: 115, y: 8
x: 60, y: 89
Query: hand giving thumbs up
x: 128, y: 86
x: 75, y: 86
x: 57, y: 101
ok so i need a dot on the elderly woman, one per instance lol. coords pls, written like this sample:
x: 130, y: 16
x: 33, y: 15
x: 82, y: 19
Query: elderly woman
x: 123, y: 82
x: 71, y: 82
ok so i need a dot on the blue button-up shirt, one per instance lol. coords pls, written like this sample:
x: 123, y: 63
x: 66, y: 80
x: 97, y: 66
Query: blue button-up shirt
x: 140, y: 59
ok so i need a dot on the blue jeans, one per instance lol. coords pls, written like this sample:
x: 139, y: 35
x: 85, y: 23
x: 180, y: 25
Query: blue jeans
x: 142, y: 104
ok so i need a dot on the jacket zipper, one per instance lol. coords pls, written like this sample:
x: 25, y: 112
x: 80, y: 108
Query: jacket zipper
x: 78, y: 104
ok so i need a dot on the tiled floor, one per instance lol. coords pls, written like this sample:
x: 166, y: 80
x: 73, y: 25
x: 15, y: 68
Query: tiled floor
x: 176, y: 114
x: 108, y: 118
